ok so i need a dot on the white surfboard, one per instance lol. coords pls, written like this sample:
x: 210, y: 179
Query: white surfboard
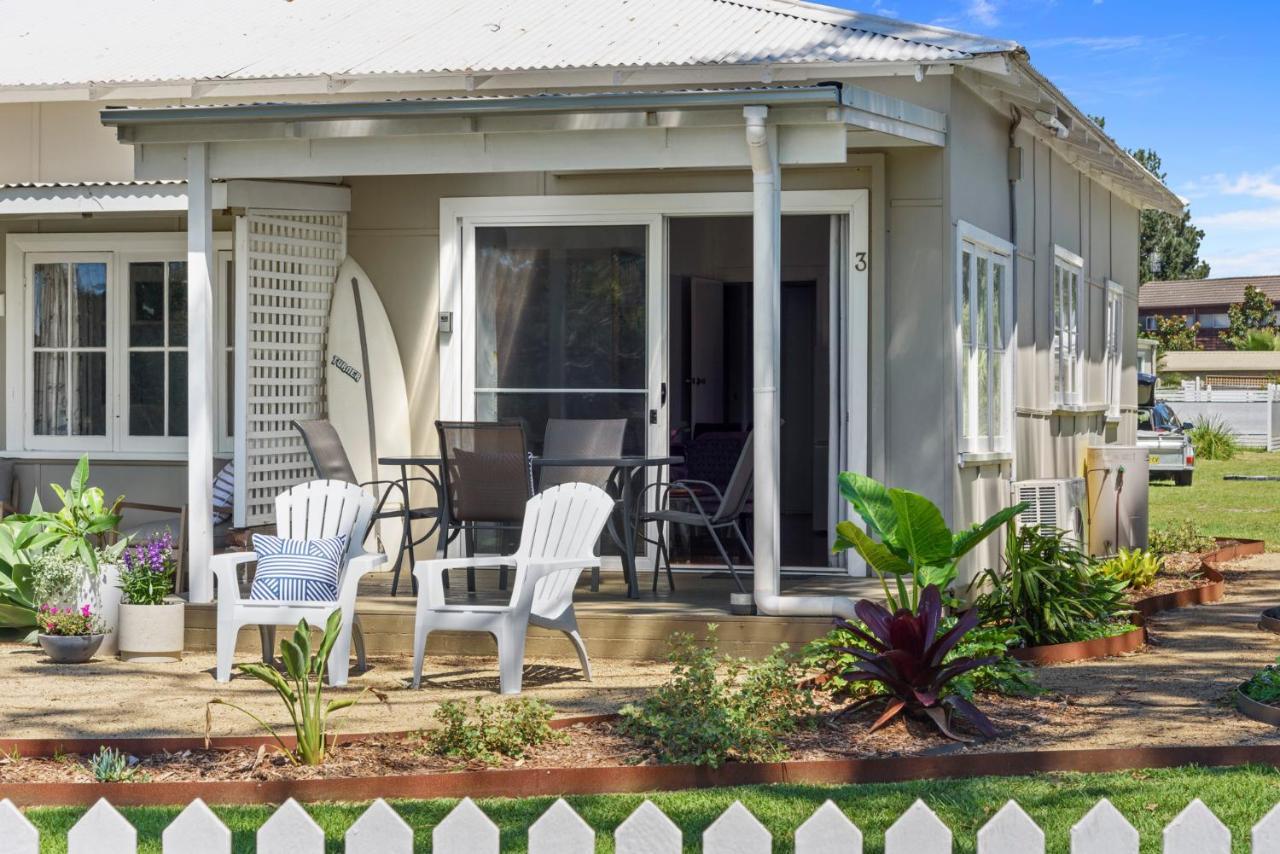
x: 364, y: 379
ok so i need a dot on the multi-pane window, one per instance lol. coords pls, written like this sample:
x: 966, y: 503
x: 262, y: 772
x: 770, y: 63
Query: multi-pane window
x: 157, y: 348
x: 1068, y: 293
x: 1113, y: 343
x: 984, y: 326
x: 98, y: 343
x: 69, y: 346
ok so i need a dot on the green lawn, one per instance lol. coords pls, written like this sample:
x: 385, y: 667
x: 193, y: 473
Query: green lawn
x: 1149, y: 799
x: 1225, y: 508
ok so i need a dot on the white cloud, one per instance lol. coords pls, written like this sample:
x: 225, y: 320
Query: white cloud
x: 985, y: 12
x: 1258, y: 262
x: 1249, y: 219
x: 1097, y: 44
x: 1254, y: 185
x: 878, y: 8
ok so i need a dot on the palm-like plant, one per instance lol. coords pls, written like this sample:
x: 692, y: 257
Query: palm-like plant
x: 906, y: 659
x: 83, y: 526
x: 302, y: 692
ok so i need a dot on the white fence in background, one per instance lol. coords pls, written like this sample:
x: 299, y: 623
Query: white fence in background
x: 1254, y: 414
x: 560, y: 830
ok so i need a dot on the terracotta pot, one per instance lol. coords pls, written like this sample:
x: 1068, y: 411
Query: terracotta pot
x: 70, y: 649
x: 152, y: 632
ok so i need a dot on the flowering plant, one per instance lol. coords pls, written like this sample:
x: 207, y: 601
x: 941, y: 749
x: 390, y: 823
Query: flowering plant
x: 149, y: 570
x: 69, y: 621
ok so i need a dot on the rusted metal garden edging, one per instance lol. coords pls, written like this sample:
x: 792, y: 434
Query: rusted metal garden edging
x: 548, y: 782
x: 146, y: 745
x: 1205, y: 594
x: 1261, y: 712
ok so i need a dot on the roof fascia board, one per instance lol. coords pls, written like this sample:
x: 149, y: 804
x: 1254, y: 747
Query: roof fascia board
x: 475, y: 153
x: 642, y: 101
x: 1108, y: 164
x: 345, y: 85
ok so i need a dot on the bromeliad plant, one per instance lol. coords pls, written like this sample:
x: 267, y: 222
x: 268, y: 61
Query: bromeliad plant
x: 302, y: 693
x: 914, y: 540
x: 1137, y: 568
x: 907, y: 660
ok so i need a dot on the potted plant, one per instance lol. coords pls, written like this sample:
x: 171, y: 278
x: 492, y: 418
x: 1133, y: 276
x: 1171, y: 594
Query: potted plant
x: 151, y: 619
x: 83, y: 530
x: 70, y: 635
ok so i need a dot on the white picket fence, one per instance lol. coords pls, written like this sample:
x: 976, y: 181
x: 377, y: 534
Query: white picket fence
x: 560, y: 830
x: 1254, y: 414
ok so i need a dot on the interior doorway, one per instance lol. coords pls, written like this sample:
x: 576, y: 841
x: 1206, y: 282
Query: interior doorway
x: 709, y: 359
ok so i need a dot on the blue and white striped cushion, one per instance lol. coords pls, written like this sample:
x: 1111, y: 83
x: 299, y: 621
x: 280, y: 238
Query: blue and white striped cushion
x: 297, y: 570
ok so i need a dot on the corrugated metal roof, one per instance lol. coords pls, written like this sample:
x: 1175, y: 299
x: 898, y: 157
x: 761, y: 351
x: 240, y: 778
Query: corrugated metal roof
x: 78, y: 185
x: 57, y: 42
x: 1189, y: 293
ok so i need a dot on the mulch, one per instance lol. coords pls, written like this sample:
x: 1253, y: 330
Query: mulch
x: 1022, y: 722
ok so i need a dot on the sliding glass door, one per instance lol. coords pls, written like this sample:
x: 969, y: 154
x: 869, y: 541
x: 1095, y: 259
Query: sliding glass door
x: 560, y: 320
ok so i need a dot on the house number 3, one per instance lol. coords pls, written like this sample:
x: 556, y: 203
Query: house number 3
x: 860, y: 261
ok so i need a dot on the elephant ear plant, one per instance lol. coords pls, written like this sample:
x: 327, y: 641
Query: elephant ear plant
x: 914, y: 540
x: 906, y: 658
x: 17, y: 581
x: 302, y: 692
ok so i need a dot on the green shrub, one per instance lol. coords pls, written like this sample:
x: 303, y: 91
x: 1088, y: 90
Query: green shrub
x: 1264, y: 686
x: 1213, y: 439
x: 1137, y: 568
x: 1006, y: 676
x: 1182, y: 537
x: 1048, y: 591
x: 495, y: 731
x: 715, y: 708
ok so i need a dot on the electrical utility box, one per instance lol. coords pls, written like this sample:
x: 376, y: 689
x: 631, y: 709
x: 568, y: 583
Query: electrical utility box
x: 1116, y: 486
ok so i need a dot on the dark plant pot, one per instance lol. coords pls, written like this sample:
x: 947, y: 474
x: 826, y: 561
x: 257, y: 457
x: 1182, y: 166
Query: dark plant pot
x: 1270, y: 620
x: 742, y: 604
x: 1251, y: 708
x: 75, y: 649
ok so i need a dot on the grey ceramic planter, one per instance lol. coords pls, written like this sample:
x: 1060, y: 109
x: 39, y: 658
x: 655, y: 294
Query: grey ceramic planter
x: 75, y: 649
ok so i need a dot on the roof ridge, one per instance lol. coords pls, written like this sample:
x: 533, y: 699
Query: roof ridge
x: 1213, y: 280
x: 895, y: 28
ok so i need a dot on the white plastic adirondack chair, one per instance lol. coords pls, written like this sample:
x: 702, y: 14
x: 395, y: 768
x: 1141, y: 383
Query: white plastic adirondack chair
x: 308, y: 511
x: 557, y: 542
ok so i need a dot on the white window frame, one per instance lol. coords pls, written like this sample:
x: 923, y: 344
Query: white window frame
x: 1113, y: 348
x: 1066, y: 368
x: 998, y: 443
x: 117, y: 249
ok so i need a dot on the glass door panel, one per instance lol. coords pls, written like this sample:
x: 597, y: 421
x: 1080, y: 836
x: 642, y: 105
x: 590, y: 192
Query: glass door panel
x: 560, y: 320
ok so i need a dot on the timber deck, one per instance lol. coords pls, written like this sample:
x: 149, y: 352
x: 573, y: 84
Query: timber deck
x: 612, y: 625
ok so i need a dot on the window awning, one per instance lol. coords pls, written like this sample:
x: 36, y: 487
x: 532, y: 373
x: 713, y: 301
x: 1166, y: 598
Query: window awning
x: 163, y: 196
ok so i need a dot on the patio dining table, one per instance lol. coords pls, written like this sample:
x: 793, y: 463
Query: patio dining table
x: 622, y: 483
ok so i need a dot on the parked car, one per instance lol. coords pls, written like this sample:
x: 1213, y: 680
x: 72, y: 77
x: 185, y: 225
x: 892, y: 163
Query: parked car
x: 1171, y: 455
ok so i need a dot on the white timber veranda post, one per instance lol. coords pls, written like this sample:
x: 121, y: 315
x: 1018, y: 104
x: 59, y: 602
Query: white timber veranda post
x: 766, y: 299
x: 200, y: 272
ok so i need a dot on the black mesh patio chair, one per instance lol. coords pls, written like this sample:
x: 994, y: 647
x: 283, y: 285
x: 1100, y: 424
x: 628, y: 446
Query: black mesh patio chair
x: 585, y: 438
x: 487, y: 478
x: 703, y: 505
x: 331, y: 462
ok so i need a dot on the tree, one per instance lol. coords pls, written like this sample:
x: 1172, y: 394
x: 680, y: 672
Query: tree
x: 1173, y: 236
x: 1256, y: 312
x: 1174, y: 333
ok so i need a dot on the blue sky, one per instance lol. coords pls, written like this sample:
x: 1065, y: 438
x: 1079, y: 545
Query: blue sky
x: 1195, y: 81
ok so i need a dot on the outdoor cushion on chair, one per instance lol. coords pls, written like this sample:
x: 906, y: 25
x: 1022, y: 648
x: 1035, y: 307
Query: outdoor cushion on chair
x: 297, y: 570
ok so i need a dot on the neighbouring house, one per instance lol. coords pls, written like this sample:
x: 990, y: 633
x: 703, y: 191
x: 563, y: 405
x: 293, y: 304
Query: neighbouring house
x: 1223, y: 369
x: 901, y: 243
x: 1203, y: 301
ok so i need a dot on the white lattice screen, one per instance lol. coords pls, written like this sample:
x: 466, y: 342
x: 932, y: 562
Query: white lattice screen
x: 290, y: 261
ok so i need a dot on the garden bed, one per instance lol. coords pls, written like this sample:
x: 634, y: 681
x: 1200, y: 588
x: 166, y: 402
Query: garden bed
x: 1196, y: 580
x: 595, y: 757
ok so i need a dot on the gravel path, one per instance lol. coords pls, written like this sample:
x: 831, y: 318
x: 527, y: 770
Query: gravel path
x: 1175, y: 691
x: 1178, y: 689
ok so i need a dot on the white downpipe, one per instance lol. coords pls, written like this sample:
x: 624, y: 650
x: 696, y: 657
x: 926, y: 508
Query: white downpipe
x: 766, y: 294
